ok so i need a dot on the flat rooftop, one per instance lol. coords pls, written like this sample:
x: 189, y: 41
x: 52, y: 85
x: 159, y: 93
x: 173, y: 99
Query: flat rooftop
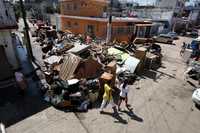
x: 115, y: 19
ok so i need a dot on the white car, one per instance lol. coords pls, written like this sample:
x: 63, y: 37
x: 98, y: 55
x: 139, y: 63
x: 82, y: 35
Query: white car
x: 196, y: 97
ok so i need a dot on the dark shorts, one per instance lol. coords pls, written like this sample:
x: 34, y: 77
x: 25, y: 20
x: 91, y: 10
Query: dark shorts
x: 122, y: 98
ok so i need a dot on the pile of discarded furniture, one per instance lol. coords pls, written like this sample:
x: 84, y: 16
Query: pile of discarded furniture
x: 75, y: 71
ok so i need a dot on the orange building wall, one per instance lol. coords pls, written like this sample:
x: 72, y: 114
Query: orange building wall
x: 99, y: 28
x: 120, y: 37
x: 81, y: 28
x: 89, y: 8
x: 83, y: 7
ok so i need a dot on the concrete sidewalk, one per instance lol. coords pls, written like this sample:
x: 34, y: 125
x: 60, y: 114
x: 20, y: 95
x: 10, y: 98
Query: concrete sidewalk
x: 26, y: 64
x: 161, y: 103
x: 49, y: 120
x: 17, y: 107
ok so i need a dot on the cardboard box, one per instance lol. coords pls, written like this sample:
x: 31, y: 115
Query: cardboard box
x: 89, y: 68
x: 102, y: 80
x: 112, y: 68
x: 140, y: 53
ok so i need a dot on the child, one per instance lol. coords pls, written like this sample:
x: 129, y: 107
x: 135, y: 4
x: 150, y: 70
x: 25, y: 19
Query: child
x: 107, y: 98
x: 123, y: 94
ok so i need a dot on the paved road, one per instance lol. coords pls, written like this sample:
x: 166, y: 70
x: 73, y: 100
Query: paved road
x: 161, y: 104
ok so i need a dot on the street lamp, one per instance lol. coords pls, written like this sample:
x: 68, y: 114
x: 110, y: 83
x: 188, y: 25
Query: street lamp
x: 26, y: 32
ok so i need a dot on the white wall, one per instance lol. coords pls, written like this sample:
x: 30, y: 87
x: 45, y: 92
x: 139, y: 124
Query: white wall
x: 7, y: 16
x: 6, y: 41
x: 155, y: 14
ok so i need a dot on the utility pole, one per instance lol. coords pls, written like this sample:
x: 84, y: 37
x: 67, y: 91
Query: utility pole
x: 26, y: 33
x: 109, y: 25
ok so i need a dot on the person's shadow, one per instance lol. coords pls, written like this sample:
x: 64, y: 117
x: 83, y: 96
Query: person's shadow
x: 132, y: 115
x: 117, y: 117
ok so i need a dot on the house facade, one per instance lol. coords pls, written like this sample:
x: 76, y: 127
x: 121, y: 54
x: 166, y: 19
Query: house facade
x: 89, y: 17
x: 162, y: 13
x: 84, y: 8
x: 8, y: 58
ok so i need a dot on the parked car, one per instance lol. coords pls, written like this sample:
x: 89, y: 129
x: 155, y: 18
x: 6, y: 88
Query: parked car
x: 164, y: 38
x: 194, y: 33
x: 173, y: 35
x: 196, y: 97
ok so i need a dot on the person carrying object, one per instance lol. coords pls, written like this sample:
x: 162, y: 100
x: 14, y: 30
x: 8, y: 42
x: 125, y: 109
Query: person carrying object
x: 21, y: 82
x: 107, y: 98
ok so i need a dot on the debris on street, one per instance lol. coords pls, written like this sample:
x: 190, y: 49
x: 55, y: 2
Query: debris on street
x: 76, y: 69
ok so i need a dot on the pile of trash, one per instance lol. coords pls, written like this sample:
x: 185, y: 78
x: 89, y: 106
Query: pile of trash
x: 76, y: 68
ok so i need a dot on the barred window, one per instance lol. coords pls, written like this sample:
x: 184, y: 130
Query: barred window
x: 69, y: 24
x: 69, y: 7
x: 76, y: 25
x: 75, y: 6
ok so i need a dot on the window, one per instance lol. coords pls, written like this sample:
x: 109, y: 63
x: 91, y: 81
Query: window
x: 66, y: 26
x: 69, y: 7
x: 141, y: 32
x: 105, y: 9
x: 120, y: 30
x: 90, y: 30
x: 65, y: 9
x: 130, y: 29
x: 69, y: 24
x: 83, y: 4
x: 75, y: 6
x: 148, y: 31
x: 6, y: 13
x: 76, y: 25
x: 166, y: 26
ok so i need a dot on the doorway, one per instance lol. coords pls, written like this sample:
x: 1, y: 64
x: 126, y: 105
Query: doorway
x: 5, y: 67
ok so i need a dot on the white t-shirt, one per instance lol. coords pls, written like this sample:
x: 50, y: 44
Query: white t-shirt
x: 124, y: 91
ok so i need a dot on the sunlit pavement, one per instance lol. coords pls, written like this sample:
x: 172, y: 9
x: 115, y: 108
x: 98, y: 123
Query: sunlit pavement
x: 161, y: 103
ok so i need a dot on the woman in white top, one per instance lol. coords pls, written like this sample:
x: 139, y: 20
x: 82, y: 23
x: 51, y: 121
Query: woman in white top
x: 123, y: 94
